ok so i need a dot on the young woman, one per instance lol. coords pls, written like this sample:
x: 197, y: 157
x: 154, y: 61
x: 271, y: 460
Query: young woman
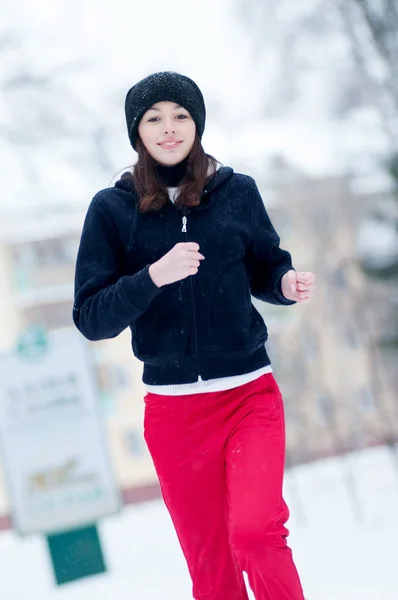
x: 174, y: 251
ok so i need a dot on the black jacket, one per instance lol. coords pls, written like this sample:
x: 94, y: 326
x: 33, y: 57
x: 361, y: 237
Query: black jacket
x: 205, y: 325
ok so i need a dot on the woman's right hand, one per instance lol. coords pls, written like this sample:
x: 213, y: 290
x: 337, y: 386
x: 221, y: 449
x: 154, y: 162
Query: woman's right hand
x: 180, y: 262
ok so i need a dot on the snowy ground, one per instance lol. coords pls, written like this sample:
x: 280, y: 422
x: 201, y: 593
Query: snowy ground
x: 343, y: 533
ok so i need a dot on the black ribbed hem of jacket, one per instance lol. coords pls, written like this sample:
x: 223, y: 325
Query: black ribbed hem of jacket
x: 213, y: 366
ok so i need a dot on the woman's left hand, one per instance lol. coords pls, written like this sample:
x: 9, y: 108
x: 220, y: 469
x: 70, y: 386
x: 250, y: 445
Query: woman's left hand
x: 298, y: 286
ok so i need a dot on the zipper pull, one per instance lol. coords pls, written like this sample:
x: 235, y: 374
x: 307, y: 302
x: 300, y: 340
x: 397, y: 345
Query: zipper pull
x: 184, y: 224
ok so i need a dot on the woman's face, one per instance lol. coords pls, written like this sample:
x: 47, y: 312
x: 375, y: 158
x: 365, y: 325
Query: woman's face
x: 168, y: 132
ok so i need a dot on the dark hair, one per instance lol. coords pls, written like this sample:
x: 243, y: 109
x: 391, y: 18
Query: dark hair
x: 153, y: 193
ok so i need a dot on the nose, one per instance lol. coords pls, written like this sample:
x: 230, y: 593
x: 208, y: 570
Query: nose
x: 169, y: 127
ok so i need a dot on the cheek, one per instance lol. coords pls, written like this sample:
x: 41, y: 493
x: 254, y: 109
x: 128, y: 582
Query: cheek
x: 191, y: 133
x: 189, y: 136
x: 147, y: 136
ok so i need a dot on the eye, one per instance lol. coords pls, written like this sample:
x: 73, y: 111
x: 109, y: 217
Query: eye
x: 152, y: 119
x: 181, y: 117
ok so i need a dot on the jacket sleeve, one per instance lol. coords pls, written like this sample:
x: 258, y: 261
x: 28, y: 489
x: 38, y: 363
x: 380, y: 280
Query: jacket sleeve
x: 106, y: 302
x: 266, y: 262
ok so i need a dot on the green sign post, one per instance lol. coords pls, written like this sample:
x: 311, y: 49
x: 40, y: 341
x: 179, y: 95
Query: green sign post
x: 76, y: 554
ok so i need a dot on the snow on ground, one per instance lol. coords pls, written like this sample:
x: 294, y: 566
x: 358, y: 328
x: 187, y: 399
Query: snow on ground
x: 343, y: 527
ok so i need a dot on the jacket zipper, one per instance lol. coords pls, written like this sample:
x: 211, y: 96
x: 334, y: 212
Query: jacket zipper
x: 192, y: 301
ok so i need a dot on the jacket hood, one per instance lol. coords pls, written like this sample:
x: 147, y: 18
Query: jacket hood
x: 219, y: 177
x: 125, y: 182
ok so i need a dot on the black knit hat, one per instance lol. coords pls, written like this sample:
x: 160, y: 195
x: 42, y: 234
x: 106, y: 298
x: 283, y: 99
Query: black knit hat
x: 162, y: 87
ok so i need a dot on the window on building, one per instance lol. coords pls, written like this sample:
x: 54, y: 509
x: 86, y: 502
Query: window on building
x: 351, y: 335
x: 51, y: 252
x: 23, y: 256
x: 282, y: 222
x: 294, y: 413
x: 365, y: 400
x: 322, y: 219
x: 120, y: 376
x: 339, y: 278
x: 309, y: 342
x: 273, y: 350
x: 45, y: 253
x: 50, y: 316
x: 135, y: 443
x: 113, y: 377
x: 70, y: 247
x: 325, y: 409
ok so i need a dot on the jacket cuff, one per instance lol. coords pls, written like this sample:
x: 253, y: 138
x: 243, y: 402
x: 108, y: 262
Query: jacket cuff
x: 143, y: 289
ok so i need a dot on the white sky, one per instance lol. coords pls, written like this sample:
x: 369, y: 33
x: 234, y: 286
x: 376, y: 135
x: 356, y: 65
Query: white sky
x: 120, y: 41
x: 129, y: 39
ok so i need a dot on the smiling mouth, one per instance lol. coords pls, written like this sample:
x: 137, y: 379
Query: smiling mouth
x: 169, y: 145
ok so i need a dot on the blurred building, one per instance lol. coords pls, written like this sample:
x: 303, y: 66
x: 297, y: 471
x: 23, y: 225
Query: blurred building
x: 37, y: 261
x: 339, y: 389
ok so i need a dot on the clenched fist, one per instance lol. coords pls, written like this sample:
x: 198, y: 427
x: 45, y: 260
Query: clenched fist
x: 180, y: 262
x: 298, y: 286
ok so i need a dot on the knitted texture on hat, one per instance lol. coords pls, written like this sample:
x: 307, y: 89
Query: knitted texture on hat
x: 162, y: 87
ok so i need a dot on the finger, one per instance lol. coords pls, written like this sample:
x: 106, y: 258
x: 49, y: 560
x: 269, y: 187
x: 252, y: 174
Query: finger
x: 305, y: 277
x: 305, y: 287
x: 195, y: 256
x: 299, y: 296
x: 191, y: 246
x: 291, y: 278
x: 194, y: 263
x: 303, y: 298
x: 191, y: 253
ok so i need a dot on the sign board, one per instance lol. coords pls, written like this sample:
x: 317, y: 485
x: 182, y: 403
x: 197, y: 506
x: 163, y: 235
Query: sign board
x: 52, y: 439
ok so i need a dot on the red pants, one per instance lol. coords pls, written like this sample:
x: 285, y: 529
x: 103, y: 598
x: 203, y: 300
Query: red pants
x: 219, y: 457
